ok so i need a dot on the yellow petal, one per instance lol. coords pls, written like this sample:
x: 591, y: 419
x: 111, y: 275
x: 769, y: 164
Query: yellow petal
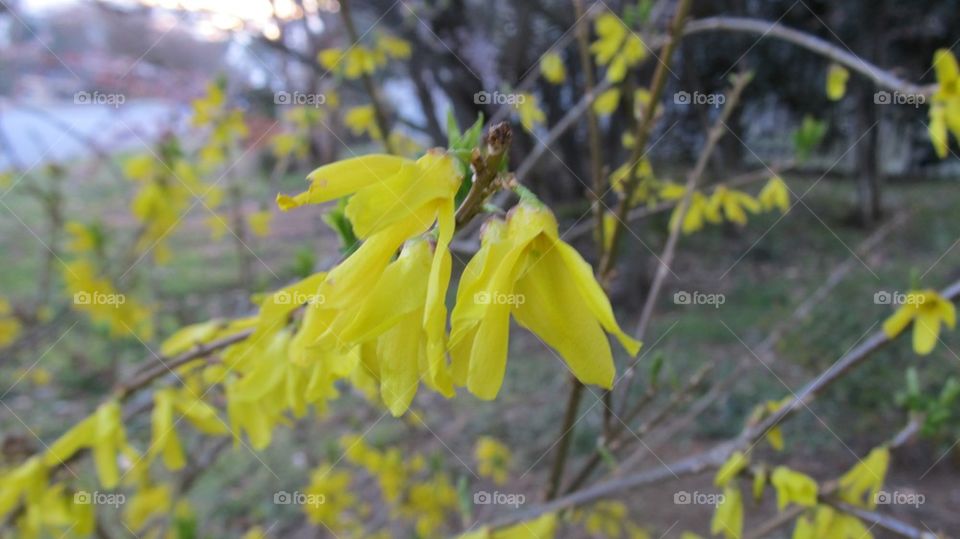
x: 342, y: 178
x: 547, y: 305
x: 926, y: 329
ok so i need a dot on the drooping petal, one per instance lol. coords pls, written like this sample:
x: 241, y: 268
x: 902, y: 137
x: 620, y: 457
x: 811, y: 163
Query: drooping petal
x: 398, y: 350
x: 593, y: 294
x: 548, y: 306
x: 926, y: 329
x: 899, y: 320
x: 488, y: 354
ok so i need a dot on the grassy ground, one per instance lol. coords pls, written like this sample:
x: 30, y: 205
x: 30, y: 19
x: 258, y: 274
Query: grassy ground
x: 764, y: 271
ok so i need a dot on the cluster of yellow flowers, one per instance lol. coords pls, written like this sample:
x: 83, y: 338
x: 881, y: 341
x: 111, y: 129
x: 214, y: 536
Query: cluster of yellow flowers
x: 393, y: 311
x: 94, y: 294
x: 359, y: 60
x: 859, y: 487
x: 410, y: 489
x: 616, y: 47
x: 731, y: 205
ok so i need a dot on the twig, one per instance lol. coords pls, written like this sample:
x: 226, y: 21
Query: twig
x: 486, y: 169
x: 880, y: 77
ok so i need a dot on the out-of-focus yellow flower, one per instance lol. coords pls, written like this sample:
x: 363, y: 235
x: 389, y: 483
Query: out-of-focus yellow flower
x: 523, y: 268
x: 98, y: 298
x: 829, y: 523
x: 837, y: 76
x: 353, y: 63
x: 147, y: 502
x: 330, y: 499
x: 728, y: 516
x: 362, y: 119
x: 200, y: 414
x: 945, y: 102
x: 607, y: 102
x: 10, y: 327
x: 259, y: 223
x: 775, y: 195
x: 394, y: 47
x: 927, y: 310
x: 493, y: 459
x: 863, y: 482
x: 731, y: 469
x: 793, y: 487
x: 551, y: 65
x: 604, y: 518
x: 733, y: 204
x: 528, y: 108
x: 616, y: 46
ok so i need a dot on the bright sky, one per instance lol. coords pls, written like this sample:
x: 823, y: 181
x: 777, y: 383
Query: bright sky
x: 225, y: 14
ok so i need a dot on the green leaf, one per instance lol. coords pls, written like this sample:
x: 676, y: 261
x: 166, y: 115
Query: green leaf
x: 808, y: 136
x: 337, y: 220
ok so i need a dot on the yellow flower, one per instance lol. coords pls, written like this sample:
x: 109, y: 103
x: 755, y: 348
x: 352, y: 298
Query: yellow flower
x: 699, y: 211
x: 945, y: 102
x: 394, y: 47
x: 333, y: 498
x: 793, y: 487
x: 728, y: 516
x: 101, y: 432
x: 551, y: 65
x: 523, y: 268
x: 259, y: 223
x: 927, y: 310
x: 731, y: 469
x: 837, y: 76
x: 607, y: 102
x: 10, y: 327
x: 865, y: 478
x: 149, y: 501
x: 775, y: 194
x: 352, y: 63
x: 616, y: 46
x: 407, y: 342
x: 733, y: 204
x: 829, y: 523
x: 528, y: 108
x: 543, y: 527
x: 165, y: 441
x: 362, y: 120
x: 493, y: 459
x: 603, y: 519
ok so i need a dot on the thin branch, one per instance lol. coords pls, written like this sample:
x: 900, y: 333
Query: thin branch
x: 880, y: 77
